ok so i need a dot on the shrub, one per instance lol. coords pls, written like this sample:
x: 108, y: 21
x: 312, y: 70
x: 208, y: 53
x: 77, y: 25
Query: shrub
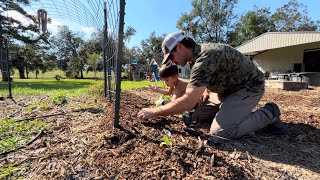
x: 59, y: 98
x: 57, y: 77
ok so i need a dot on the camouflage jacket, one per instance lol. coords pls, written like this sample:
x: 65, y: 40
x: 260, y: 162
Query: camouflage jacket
x: 224, y: 70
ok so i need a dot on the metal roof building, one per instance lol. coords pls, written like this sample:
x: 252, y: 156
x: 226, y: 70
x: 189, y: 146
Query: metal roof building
x: 274, y: 40
x: 284, y: 52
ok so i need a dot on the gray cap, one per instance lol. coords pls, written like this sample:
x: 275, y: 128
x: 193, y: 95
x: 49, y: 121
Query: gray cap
x: 169, y: 43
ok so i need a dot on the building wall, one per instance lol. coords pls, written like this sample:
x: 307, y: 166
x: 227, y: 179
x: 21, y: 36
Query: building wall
x: 282, y: 59
x: 184, y: 72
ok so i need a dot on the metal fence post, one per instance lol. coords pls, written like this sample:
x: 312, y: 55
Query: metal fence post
x: 118, y: 67
x: 104, y: 49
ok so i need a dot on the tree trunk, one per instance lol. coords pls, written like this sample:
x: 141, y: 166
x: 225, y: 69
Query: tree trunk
x: 21, y: 73
x: 4, y: 62
x: 37, y: 73
x: 81, y: 74
x: 27, y: 71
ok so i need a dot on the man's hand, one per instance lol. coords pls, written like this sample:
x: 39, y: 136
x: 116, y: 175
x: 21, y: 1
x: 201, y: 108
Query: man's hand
x: 205, y: 96
x: 147, y: 113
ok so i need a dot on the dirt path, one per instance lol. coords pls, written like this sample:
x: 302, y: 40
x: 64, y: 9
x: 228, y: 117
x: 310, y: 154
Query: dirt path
x: 83, y: 144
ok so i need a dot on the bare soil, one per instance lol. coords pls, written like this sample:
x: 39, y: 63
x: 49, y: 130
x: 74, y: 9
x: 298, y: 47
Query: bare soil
x: 82, y: 143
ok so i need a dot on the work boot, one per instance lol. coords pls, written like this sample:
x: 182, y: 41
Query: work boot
x: 277, y: 127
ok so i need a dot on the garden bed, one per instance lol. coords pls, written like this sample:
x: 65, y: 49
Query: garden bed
x: 82, y: 143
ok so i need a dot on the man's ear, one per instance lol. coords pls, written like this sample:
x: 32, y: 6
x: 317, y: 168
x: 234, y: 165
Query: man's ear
x: 179, y: 45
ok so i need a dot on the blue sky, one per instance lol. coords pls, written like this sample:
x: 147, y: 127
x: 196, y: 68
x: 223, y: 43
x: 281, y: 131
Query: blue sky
x: 144, y: 16
x: 161, y: 15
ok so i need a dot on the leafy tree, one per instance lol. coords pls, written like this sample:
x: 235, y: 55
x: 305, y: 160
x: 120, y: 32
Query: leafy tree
x: 151, y: 48
x: 67, y: 48
x: 17, y: 59
x: 94, y: 59
x: 10, y: 26
x: 32, y: 57
x: 129, y: 32
x: 132, y: 53
x: 209, y: 20
x: 251, y: 24
x: 15, y: 28
x: 293, y: 16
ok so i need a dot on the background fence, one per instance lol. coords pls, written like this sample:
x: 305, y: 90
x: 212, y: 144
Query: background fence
x: 100, y: 14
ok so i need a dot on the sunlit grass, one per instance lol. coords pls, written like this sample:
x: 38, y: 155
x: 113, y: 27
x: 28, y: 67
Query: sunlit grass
x: 25, y: 87
x: 127, y: 85
x: 70, y: 87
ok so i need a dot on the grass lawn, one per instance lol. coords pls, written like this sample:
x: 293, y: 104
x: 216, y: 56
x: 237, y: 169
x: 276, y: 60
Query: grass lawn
x: 23, y: 87
x: 74, y: 87
x: 127, y: 85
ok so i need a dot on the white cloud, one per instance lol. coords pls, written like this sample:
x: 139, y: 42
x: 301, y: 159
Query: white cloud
x: 53, y: 26
x: 87, y: 30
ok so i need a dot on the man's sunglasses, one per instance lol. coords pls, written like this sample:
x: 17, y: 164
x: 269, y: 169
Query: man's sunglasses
x: 171, y: 55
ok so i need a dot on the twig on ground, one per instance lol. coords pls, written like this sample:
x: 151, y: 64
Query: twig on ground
x: 45, y: 116
x: 13, y: 114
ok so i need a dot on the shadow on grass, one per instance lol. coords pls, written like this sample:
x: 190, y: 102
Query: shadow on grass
x: 48, y: 85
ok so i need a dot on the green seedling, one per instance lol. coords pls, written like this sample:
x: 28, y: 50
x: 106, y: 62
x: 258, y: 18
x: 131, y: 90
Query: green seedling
x: 162, y: 99
x: 166, y: 139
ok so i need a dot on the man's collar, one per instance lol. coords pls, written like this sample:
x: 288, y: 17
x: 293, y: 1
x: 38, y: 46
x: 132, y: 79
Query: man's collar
x: 196, y: 54
x: 196, y: 51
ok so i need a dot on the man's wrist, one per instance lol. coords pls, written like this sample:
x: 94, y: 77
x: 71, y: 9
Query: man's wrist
x: 159, y: 111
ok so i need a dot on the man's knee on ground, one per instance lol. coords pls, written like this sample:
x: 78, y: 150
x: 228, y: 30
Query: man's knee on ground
x: 221, y: 133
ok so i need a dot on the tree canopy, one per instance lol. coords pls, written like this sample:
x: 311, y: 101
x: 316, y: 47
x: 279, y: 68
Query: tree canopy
x: 209, y: 20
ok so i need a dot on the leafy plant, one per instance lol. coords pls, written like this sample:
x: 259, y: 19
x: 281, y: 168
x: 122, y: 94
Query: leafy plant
x: 162, y: 99
x: 13, y: 134
x: 166, y: 141
x: 59, y: 98
x: 12, y: 171
x: 57, y: 77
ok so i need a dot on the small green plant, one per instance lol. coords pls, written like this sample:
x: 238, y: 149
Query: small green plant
x: 57, y: 77
x: 166, y: 139
x: 12, y: 171
x: 162, y: 99
x: 41, y: 105
x: 59, y: 98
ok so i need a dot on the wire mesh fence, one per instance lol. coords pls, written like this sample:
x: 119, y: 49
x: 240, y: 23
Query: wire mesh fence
x: 90, y: 14
x: 112, y: 52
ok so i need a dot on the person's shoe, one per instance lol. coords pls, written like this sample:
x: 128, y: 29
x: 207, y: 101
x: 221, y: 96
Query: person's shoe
x: 277, y: 127
x: 273, y: 108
